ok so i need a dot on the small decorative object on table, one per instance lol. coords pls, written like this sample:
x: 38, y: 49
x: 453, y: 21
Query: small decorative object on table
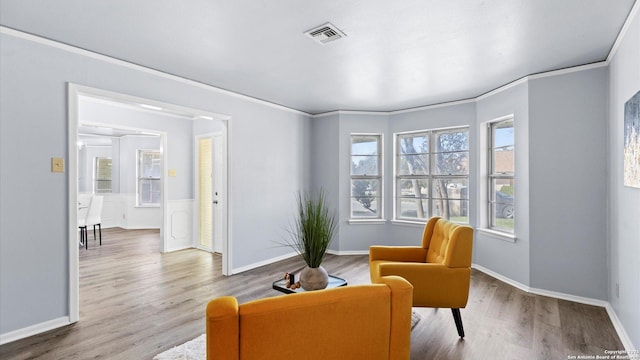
x: 283, y: 284
x: 291, y: 281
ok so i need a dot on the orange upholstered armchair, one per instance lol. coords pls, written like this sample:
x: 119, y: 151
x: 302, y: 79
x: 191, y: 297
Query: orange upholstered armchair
x: 439, y: 270
x: 351, y: 322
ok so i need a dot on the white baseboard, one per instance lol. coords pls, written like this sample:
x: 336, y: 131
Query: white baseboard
x: 34, y: 330
x: 622, y: 333
x: 348, y: 252
x: 502, y: 278
x: 290, y: 255
x: 138, y: 227
x: 569, y: 297
x: 553, y: 294
x: 262, y: 263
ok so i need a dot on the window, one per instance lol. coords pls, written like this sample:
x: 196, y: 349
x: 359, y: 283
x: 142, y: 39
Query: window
x: 102, y: 175
x: 148, y: 177
x: 366, y: 176
x: 501, y: 175
x: 432, y: 175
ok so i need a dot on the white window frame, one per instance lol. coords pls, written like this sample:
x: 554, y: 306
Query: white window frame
x: 96, y: 178
x: 379, y: 217
x: 430, y: 177
x: 140, y: 179
x: 492, y: 175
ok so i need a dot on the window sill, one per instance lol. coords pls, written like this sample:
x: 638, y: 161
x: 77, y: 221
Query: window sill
x: 408, y: 223
x: 152, y: 206
x: 367, y: 221
x: 498, y: 234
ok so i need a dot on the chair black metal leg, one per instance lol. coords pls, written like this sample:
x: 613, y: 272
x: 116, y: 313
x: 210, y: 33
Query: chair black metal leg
x: 83, y: 237
x: 100, y: 232
x: 94, y: 232
x: 458, y: 319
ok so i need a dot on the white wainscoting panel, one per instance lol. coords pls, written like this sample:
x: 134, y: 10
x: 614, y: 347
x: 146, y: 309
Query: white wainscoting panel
x: 111, y: 211
x: 179, y: 229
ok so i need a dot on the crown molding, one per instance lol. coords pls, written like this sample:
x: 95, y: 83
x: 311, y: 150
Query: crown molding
x: 115, y: 61
x: 623, y: 31
x: 434, y: 106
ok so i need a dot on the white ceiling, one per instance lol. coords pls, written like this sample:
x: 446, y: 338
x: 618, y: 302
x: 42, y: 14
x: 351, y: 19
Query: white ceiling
x: 397, y: 54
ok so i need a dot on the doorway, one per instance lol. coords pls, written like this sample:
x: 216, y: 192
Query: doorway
x: 177, y: 213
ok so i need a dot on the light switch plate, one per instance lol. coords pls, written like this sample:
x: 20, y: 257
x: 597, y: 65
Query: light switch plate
x: 172, y: 172
x: 57, y: 165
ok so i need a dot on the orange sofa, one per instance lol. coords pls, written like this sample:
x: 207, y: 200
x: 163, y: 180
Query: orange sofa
x: 352, y: 322
x: 439, y: 269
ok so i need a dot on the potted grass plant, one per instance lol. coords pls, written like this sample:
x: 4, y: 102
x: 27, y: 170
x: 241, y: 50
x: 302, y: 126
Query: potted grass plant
x: 311, y: 234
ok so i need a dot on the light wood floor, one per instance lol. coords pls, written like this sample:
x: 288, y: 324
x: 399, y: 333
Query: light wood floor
x: 136, y: 303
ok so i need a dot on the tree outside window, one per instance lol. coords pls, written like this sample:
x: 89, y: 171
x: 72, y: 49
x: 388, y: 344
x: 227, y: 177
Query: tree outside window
x: 432, y: 175
x: 451, y: 175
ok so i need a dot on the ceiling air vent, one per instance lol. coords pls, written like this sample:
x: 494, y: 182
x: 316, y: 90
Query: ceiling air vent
x: 325, y: 33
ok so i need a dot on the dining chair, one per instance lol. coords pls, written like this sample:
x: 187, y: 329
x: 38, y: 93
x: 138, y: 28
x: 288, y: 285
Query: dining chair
x: 84, y: 200
x: 94, y: 217
x: 82, y: 225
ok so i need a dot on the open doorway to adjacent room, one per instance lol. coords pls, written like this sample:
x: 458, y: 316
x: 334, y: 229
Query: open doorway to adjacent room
x: 143, y: 158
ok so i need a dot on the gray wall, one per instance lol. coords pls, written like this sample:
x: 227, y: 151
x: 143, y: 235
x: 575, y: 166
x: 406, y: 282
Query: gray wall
x: 567, y: 164
x: 268, y: 146
x: 624, y: 202
x: 324, y: 158
x: 510, y: 259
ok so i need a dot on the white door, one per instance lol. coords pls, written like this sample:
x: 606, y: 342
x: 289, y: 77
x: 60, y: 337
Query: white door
x: 205, y: 195
x: 218, y: 162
